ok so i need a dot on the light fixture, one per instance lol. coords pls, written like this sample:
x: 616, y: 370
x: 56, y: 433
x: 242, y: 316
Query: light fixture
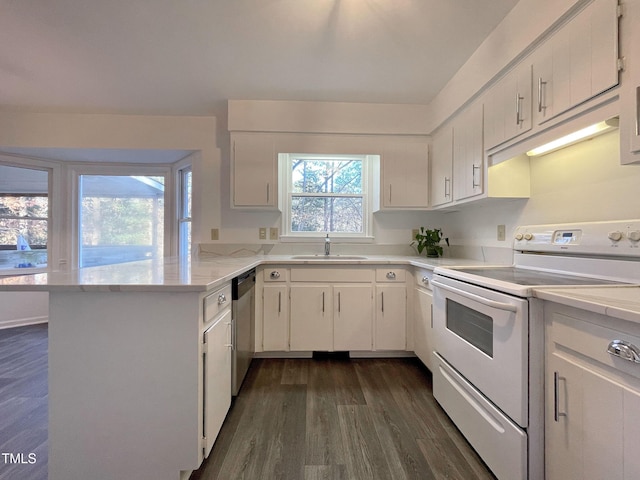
x: 588, y: 132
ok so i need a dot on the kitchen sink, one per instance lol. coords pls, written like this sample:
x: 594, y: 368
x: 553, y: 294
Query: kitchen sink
x: 328, y: 257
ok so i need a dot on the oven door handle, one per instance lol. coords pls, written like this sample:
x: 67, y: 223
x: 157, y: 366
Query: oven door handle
x: 485, y: 301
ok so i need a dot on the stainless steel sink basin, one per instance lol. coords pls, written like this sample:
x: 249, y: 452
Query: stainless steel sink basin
x: 328, y: 257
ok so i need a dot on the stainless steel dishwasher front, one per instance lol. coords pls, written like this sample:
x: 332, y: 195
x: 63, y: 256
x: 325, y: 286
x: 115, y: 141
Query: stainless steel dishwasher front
x: 243, y: 328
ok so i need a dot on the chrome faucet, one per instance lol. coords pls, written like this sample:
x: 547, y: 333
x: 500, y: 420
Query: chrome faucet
x: 327, y: 245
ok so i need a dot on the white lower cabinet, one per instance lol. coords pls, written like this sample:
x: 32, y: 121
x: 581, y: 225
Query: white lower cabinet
x: 275, y: 314
x: 217, y: 378
x: 311, y: 318
x: 423, y: 326
x: 592, y: 401
x: 353, y: 309
x: 391, y: 317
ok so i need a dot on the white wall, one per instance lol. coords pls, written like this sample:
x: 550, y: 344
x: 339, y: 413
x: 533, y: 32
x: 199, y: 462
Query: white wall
x: 581, y: 183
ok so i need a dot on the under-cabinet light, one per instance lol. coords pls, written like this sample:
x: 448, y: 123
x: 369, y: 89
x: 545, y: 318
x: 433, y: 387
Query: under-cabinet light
x: 588, y: 132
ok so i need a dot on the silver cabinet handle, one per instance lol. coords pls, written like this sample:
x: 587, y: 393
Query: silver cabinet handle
x: 447, y: 192
x: 338, y: 302
x: 556, y: 398
x: 473, y: 176
x: 519, y: 120
x: 222, y: 298
x: 625, y: 350
x: 279, y: 302
x: 382, y: 303
x: 389, y: 194
x: 391, y: 275
x: 637, y: 111
x: 540, y: 105
x: 268, y: 193
x: 322, y: 302
x: 274, y: 275
x: 230, y: 336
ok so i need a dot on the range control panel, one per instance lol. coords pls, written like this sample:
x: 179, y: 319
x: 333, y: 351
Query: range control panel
x: 619, y: 238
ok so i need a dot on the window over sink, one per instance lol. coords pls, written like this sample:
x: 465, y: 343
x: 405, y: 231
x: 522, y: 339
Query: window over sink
x: 326, y: 194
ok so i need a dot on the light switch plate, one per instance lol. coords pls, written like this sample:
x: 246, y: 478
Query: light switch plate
x: 414, y: 232
x: 215, y: 234
x: 262, y: 233
x: 273, y: 233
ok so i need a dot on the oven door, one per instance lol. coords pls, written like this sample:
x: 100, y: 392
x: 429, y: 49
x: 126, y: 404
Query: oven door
x: 483, y: 334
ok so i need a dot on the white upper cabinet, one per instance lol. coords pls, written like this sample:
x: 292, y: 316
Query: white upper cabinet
x: 577, y: 62
x: 508, y: 106
x: 468, y: 153
x: 442, y: 167
x: 405, y: 175
x: 630, y: 92
x: 254, y: 171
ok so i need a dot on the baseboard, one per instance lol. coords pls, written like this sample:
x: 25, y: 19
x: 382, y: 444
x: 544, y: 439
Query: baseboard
x: 359, y: 354
x: 282, y: 355
x: 23, y: 322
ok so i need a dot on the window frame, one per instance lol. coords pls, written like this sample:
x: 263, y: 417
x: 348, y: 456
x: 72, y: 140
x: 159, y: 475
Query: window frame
x: 184, y: 200
x: 285, y: 164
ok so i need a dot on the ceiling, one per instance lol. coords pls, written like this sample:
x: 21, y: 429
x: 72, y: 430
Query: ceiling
x: 188, y: 57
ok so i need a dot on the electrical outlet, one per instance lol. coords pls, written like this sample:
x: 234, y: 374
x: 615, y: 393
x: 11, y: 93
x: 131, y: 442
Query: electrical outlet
x: 414, y: 232
x: 262, y: 233
x: 273, y: 233
x: 215, y: 234
x: 502, y: 233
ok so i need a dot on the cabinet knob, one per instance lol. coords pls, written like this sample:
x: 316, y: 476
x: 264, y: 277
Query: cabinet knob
x: 275, y: 274
x: 425, y: 280
x: 222, y: 298
x: 391, y: 275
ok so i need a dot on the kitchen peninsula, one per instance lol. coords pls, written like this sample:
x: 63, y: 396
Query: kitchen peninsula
x: 126, y: 369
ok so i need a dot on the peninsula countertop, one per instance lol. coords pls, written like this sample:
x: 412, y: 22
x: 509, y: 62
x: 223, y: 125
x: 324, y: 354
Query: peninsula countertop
x: 184, y: 274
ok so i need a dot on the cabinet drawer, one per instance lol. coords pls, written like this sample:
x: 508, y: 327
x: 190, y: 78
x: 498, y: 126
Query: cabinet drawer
x: 392, y: 274
x: 423, y: 277
x: 321, y: 274
x: 216, y: 302
x: 275, y: 274
x: 591, y: 341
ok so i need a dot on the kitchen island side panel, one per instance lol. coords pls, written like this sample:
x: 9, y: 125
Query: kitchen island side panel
x: 124, y: 385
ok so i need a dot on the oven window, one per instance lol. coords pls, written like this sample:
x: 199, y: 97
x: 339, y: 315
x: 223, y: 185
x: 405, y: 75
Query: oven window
x: 474, y: 327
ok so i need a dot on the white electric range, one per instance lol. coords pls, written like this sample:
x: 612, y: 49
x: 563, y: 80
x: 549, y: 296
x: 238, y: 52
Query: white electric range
x: 489, y: 334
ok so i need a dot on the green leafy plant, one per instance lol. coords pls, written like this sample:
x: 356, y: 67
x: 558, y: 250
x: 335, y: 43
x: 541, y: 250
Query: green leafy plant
x: 428, y: 240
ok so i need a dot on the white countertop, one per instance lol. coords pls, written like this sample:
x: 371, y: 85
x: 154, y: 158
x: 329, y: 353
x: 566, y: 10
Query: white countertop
x: 615, y: 301
x: 174, y: 274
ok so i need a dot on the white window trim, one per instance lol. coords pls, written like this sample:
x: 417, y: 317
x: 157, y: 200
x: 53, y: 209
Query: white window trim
x: 180, y: 204
x: 368, y: 195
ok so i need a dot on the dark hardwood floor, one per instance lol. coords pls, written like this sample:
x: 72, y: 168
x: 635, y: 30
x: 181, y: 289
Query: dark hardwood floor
x: 23, y: 403
x: 335, y: 419
x: 295, y: 419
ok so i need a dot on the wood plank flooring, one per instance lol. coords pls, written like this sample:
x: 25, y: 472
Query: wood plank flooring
x: 295, y: 419
x: 23, y: 402
x: 339, y: 419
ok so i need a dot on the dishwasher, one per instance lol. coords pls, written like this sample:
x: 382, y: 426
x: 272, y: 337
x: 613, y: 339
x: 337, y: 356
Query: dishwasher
x: 242, y: 327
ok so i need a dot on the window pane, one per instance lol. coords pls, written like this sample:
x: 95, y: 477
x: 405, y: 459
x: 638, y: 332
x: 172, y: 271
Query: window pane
x: 24, y: 206
x: 326, y: 214
x: 33, y: 232
x: 326, y: 176
x: 186, y: 193
x: 121, y: 219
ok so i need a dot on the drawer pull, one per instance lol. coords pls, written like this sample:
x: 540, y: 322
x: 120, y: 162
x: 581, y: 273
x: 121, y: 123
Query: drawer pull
x: 222, y: 298
x: 391, y: 275
x: 425, y: 280
x: 275, y: 274
x: 625, y: 350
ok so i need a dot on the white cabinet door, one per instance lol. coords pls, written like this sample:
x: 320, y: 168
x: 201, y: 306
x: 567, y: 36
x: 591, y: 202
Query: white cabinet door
x: 508, y: 107
x: 311, y: 318
x: 217, y: 377
x: 353, y: 314
x: 391, y: 317
x: 578, y: 62
x: 254, y: 171
x: 423, y: 326
x: 405, y: 175
x: 596, y: 432
x: 442, y: 167
x: 468, y: 153
x: 275, y: 318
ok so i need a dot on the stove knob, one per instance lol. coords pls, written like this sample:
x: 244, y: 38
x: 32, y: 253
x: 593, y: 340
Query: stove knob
x: 519, y: 236
x: 528, y: 236
x: 616, y: 236
x: 634, y: 235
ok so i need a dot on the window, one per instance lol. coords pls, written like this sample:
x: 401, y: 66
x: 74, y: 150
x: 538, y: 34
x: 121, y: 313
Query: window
x: 184, y: 211
x: 24, y: 217
x: 326, y: 194
x: 121, y: 218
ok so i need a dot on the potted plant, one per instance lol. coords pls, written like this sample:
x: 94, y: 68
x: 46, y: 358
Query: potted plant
x: 428, y: 240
